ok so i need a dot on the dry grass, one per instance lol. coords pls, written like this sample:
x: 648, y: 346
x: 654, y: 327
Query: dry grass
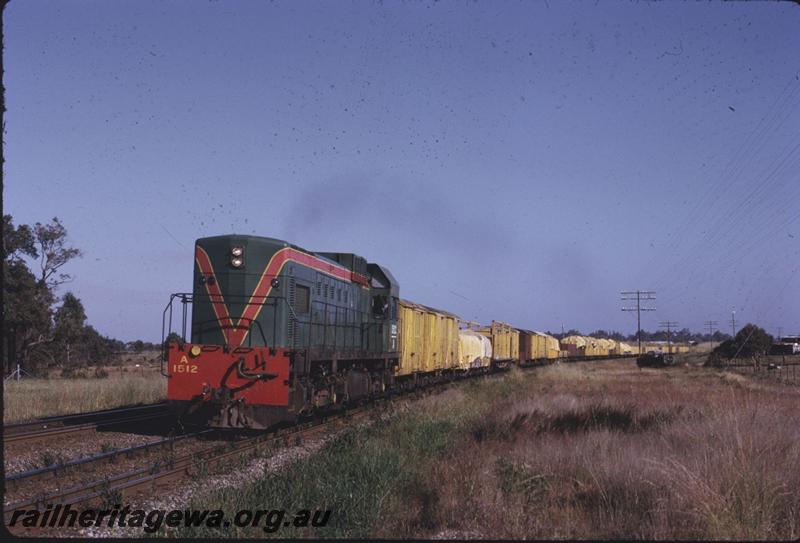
x: 591, y: 450
x: 637, y: 454
x: 36, y: 398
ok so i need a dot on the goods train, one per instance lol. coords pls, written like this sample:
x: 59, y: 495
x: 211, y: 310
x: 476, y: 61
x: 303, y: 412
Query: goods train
x: 278, y: 332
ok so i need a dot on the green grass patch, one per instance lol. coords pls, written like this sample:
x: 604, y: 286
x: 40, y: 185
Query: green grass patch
x: 364, y: 474
x: 355, y: 476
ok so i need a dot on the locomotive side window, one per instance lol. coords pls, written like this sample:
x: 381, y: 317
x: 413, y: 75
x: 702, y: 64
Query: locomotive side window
x: 302, y: 296
x: 379, y: 306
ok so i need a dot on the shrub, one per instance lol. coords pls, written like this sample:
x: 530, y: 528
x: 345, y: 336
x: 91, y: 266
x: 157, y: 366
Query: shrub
x: 750, y: 341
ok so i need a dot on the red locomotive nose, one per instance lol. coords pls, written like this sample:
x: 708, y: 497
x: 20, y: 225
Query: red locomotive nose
x: 254, y: 375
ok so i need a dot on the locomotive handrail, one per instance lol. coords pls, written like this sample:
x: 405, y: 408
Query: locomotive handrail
x: 199, y: 327
x: 330, y: 327
x: 241, y: 372
x: 190, y: 298
x: 164, y: 346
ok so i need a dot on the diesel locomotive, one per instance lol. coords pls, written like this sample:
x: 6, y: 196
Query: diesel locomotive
x: 276, y: 332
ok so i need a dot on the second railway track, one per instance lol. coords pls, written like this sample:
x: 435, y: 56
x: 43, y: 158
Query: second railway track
x: 82, y: 422
x: 114, y: 487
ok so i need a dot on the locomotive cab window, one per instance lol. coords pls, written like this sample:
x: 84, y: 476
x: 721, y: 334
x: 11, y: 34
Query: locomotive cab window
x: 380, y: 306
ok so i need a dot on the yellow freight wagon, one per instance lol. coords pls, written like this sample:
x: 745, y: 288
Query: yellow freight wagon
x: 593, y: 347
x: 545, y: 346
x: 662, y: 347
x: 538, y: 345
x: 574, y: 346
x: 474, y: 350
x: 428, y: 339
x: 578, y: 341
x: 505, y: 340
x: 604, y: 346
x: 624, y: 348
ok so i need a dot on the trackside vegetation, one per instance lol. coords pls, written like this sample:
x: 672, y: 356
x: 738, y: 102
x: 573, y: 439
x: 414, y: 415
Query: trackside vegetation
x: 30, y: 399
x: 600, y: 450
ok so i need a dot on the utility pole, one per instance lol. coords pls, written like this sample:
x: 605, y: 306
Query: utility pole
x: 733, y: 321
x: 710, y: 325
x: 780, y: 332
x: 639, y: 296
x: 669, y: 325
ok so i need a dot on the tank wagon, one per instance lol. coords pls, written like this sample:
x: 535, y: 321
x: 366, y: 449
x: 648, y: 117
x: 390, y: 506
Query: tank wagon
x: 272, y: 332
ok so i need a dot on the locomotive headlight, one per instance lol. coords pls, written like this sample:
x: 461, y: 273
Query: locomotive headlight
x: 236, y: 262
x: 237, y: 251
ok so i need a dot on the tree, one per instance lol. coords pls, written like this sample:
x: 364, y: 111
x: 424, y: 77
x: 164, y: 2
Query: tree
x: 28, y: 300
x: 753, y: 341
x: 97, y: 349
x: 53, y: 252
x: 17, y: 241
x: 172, y: 337
x: 26, y: 307
x: 70, y: 321
x: 26, y: 313
x: 722, y: 352
x: 750, y: 342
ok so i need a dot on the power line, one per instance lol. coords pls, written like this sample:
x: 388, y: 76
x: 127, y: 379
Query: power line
x: 748, y: 149
x: 669, y: 325
x: 641, y: 295
x: 710, y: 325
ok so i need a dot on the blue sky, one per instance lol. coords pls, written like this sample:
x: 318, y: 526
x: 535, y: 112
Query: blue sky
x: 518, y: 161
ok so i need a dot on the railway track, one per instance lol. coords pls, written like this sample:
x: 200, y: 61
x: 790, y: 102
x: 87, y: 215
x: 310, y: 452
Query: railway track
x: 42, y: 476
x: 82, y: 422
x: 112, y: 489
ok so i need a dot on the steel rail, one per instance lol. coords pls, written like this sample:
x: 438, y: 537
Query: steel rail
x: 14, y: 481
x: 112, y: 488
x: 81, y: 422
